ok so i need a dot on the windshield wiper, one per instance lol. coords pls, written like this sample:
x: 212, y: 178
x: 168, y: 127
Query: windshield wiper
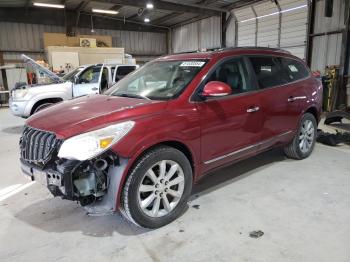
x: 132, y: 96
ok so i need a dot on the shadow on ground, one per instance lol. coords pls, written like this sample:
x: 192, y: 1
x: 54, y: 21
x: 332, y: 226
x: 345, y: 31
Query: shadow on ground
x: 13, y: 130
x: 56, y: 215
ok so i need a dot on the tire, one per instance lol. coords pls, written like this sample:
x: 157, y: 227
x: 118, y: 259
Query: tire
x: 42, y: 106
x: 144, y: 192
x: 304, y: 141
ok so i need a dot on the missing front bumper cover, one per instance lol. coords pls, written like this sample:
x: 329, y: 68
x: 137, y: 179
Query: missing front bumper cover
x: 84, y: 181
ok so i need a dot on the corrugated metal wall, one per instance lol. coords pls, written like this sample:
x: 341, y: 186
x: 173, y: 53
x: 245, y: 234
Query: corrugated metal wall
x: 265, y: 30
x: 326, y: 48
x: 294, y: 26
x: 246, y: 26
x: 29, y: 37
x: 195, y: 36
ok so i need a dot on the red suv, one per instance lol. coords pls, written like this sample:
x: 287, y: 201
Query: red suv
x: 139, y: 147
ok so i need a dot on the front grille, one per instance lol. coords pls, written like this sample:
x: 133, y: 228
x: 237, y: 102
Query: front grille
x: 38, y: 147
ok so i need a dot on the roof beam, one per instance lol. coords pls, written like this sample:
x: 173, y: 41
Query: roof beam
x: 82, y: 5
x: 145, y: 12
x: 206, y: 2
x: 240, y: 3
x: 189, y: 21
x: 57, y: 17
x: 170, y: 6
x: 165, y: 18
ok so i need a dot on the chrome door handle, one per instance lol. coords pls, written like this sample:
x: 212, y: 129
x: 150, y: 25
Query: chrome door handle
x: 253, y: 109
x: 294, y: 98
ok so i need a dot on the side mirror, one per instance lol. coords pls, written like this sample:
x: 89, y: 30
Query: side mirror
x: 216, y: 89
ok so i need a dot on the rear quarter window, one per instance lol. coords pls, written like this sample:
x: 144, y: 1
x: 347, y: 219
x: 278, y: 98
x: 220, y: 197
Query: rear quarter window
x: 294, y: 69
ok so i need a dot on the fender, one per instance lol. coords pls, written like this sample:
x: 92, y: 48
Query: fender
x: 184, y: 130
x: 48, y: 95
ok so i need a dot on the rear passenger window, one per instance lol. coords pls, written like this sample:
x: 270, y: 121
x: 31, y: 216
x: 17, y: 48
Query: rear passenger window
x: 122, y: 71
x: 269, y: 71
x: 294, y: 69
x: 233, y: 73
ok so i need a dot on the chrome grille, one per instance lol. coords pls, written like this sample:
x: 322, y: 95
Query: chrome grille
x: 38, y: 147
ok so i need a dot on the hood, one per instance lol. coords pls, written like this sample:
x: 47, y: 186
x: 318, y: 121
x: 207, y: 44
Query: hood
x: 55, y: 78
x: 80, y: 115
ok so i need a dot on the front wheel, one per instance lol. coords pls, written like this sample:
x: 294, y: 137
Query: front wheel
x: 304, y: 141
x: 42, y: 106
x: 158, y: 187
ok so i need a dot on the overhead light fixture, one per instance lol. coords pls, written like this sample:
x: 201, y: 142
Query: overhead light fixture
x: 48, y: 5
x: 149, y: 6
x: 147, y: 20
x: 103, y: 11
x: 275, y: 13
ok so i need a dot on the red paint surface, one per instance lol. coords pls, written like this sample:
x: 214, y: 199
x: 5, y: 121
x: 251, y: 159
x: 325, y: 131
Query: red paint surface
x: 209, y: 129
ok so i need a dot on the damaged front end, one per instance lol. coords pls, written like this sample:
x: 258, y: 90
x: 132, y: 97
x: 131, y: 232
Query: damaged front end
x: 86, y: 181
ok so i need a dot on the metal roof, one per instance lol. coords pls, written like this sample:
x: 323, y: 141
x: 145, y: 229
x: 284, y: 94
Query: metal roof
x: 166, y: 13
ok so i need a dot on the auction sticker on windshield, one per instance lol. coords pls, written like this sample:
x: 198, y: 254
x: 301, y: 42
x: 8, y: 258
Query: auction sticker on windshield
x: 193, y: 63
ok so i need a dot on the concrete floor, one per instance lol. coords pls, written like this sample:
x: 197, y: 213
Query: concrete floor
x: 303, y: 208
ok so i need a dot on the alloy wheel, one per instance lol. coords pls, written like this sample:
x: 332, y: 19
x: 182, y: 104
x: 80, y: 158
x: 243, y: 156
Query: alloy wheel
x: 306, y: 136
x: 161, y: 188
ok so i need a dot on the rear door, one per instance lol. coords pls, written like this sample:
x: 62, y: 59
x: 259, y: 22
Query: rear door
x: 280, y: 96
x: 88, y: 81
x: 230, y: 125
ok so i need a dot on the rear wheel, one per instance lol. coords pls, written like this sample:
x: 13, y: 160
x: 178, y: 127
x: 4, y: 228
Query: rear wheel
x: 304, y: 141
x: 158, y: 187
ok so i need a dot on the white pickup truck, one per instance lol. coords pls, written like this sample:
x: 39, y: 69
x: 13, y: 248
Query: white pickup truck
x: 84, y: 80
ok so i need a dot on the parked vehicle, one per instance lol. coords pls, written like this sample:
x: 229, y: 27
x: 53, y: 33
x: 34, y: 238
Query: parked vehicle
x: 84, y: 80
x: 140, y: 147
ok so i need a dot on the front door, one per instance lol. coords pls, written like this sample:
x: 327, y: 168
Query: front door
x: 231, y: 125
x: 88, y: 81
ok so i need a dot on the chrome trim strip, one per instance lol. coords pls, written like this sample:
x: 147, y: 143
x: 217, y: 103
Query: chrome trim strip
x: 247, y: 148
x: 292, y: 99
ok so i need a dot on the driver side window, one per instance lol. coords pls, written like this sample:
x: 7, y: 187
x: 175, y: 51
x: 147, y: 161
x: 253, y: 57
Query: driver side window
x: 90, y: 75
x: 234, y: 73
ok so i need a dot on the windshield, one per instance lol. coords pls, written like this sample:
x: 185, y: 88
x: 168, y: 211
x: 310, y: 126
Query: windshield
x: 160, y: 80
x: 70, y: 76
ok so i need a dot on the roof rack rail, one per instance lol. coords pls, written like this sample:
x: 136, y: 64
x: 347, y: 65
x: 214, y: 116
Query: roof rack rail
x: 219, y: 49
x: 253, y: 47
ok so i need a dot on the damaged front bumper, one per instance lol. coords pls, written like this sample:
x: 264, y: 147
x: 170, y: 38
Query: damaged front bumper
x: 94, y: 182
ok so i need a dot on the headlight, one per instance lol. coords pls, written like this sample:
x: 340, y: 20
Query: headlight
x: 19, y: 94
x: 91, y: 144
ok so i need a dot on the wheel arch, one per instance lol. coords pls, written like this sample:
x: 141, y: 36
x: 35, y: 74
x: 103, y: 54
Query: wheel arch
x: 313, y: 110
x: 171, y: 143
x: 45, y: 100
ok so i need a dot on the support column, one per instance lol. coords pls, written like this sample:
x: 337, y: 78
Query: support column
x: 223, y: 30
x: 310, y: 30
x: 256, y: 26
x: 344, y: 59
x: 279, y: 23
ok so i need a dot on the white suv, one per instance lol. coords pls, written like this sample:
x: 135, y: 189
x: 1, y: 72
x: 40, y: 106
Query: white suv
x: 84, y: 80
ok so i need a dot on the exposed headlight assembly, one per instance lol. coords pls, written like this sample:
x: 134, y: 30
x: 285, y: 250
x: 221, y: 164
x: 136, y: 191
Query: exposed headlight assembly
x: 91, y: 144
